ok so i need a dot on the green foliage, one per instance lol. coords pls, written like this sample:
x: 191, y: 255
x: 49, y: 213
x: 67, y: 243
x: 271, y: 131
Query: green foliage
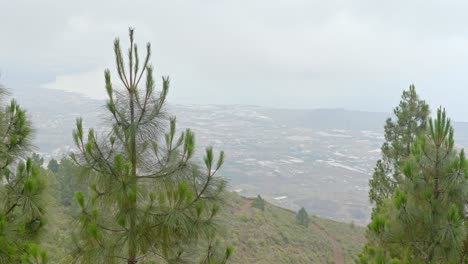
x: 53, y: 165
x: 56, y: 237
x: 21, y: 190
x: 34, y: 255
x: 148, y: 201
x: 68, y: 182
x: 423, y: 220
x: 273, y: 235
x: 410, y: 120
x: 302, y: 217
x: 259, y: 203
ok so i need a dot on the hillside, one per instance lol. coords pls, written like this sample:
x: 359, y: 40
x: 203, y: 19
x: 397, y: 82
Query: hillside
x: 273, y: 236
x: 270, y: 236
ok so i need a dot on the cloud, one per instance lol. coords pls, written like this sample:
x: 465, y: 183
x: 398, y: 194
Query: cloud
x: 353, y: 54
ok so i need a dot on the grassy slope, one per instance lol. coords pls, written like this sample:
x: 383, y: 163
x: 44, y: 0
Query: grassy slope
x: 270, y: 236
x: 273, y: 236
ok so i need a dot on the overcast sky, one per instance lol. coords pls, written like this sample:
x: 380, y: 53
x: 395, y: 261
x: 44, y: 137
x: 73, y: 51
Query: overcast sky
x: 295, y: 54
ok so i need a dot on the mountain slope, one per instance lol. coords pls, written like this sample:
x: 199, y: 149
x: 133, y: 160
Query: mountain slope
x: 270, y: 236
x: 273, y: 236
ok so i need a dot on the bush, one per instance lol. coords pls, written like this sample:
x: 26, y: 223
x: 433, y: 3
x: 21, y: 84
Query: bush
x: 259, y: 203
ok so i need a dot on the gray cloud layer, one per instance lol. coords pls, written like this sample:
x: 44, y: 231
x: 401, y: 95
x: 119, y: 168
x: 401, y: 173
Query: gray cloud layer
x: 301, y: 54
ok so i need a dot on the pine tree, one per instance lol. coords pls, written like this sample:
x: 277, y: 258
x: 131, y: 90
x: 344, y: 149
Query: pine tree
x: 302, y: 217
x: 259, y: 203
x: 411, y: 118
x: 53, y: 165
x: 410, y: 121
x: 148, y: 201
x: 423, y: 222
x: 21, y: 190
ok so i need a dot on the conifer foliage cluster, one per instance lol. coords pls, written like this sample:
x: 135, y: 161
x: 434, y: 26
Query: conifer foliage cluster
x: 22, y: 207
x: 140, y: 196
x: 411, y: 117
x: 148, y: 200
x: 419, y: 191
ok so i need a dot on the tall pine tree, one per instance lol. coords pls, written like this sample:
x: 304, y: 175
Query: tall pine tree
x: 22, y: 187
x: 410, y: 121
x: 423, y: 222
x: 148, y: 201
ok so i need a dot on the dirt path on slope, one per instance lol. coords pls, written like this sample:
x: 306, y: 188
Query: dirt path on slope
x: 246, y: 204
x: 338, y: 255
